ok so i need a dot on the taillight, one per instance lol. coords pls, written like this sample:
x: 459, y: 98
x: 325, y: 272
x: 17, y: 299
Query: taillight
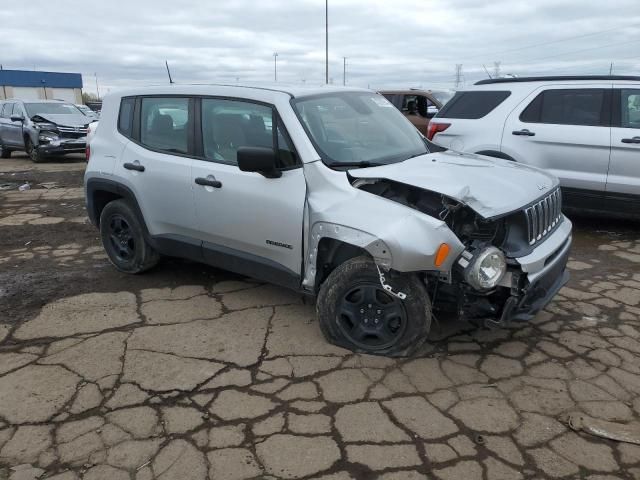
x: 435, y: 127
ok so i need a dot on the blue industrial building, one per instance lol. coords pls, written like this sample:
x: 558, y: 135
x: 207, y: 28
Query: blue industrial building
x: 33, y: 85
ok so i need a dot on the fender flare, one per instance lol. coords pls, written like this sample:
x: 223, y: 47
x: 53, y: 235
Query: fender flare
x: 94, y: 185
x: 373, y: 245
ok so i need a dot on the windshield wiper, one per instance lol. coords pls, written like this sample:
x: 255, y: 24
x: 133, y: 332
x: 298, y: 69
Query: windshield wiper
x: 361, y: 164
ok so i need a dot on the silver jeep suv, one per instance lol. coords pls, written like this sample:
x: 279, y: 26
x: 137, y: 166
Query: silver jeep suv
x: 331, y: 192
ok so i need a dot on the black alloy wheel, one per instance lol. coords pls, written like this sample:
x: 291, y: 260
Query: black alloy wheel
x: 371, y: 318
x: 121, y: 238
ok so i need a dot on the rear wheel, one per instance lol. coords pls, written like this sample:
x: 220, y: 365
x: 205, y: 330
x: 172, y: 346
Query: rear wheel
x: 32, y: 151
x: 357, y: 313
x: 123, y: 239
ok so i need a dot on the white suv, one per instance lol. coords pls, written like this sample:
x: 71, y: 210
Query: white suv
x: 585, y: 130
x: 331, y: 192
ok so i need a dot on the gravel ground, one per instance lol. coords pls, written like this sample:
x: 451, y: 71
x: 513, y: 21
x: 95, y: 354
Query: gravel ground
x: 189, y: 372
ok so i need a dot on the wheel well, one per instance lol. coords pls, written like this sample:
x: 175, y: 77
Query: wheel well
x: 100, y: 200
x: 331, y: 253
x: 496, y: 154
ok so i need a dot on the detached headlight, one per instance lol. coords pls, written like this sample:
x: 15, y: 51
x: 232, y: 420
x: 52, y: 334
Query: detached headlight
x: 486, y: 269
x: 47, y: 127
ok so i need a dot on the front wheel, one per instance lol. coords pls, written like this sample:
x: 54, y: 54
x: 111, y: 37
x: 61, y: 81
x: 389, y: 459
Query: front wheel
x: 357, y: 313
x: 32, y: 151
x: 123, y: 239
x: 4, y: 151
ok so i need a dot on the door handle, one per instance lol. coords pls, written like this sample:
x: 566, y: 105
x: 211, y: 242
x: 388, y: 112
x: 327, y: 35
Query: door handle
x: 631, y: 140
x: 524, y: 133
x: 210, y: 181
x: 134, y: 166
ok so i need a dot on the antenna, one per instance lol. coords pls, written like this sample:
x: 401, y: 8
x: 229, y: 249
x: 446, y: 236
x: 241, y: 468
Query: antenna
x: 168, y: 71
x: 487, y: 71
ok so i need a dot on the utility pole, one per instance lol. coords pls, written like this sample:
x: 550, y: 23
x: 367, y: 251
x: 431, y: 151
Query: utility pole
x: 344, y: 70
x: 97, y: 87
x: 458, y: 74
x: 326, y: 41
x: 275, y: 66
x: 611, y: 69
x: 496, y: 69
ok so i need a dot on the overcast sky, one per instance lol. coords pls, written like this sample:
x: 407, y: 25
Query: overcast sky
x: 387, y: 44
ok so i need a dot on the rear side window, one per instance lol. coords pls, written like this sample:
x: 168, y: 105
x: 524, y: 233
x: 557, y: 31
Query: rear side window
x: 125, y: 119
x: 630, y: 108
x: 473, y: 105
x: 164, y: 124
x: 567, y: 107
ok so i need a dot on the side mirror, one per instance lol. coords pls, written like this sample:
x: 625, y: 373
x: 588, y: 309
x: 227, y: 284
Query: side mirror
x: 258, y: 159
x: 17, y: 118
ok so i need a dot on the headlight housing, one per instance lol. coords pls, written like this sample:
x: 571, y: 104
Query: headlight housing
x: 47, y: 137
x: 486, y: 269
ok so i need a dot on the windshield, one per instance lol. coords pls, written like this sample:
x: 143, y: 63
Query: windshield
x: 358, y: 127
x: 51, y: 108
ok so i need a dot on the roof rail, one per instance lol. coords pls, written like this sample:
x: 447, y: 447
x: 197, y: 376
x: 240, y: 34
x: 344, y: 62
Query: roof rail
x: 489, y: 81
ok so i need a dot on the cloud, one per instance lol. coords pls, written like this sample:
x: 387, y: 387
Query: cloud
x: 400, y: 43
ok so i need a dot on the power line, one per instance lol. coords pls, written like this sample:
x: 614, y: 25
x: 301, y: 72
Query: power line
x: 551, y: 42
x: 584, y: 50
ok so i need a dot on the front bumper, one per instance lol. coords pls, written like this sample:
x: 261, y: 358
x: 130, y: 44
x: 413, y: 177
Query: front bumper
x: 541, y: 288
x: 71, y: 145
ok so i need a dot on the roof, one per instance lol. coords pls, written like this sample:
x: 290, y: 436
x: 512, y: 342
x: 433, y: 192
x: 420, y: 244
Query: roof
x: 489, y: 81
x: 28, y: 78
x: 203, y: 89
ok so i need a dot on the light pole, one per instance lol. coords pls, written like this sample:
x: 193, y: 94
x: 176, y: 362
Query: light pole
x: 97, y: 87
x: 275, y: 66
x: 344, y: 70
x: 326, y: 41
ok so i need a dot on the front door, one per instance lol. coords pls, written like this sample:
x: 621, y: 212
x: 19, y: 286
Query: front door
x: 12, y: 129
x: 248, y: 223
x: 623, y: 181
x: 564, y: 131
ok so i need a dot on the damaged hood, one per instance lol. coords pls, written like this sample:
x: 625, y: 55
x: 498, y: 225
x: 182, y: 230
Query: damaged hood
x: 65, y: 120
x: 489, y: 186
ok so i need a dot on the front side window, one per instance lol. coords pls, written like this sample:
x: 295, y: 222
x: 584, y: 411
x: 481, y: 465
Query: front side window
x: 52, y: 108
x: 6, y: 110
x: 228, y: 125
x: 567, y: 107
x: 630, y: 108
x: 358, y: 127
x: 164, y: 124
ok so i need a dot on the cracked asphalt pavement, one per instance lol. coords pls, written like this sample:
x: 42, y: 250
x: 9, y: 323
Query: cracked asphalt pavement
x: 189, y: 372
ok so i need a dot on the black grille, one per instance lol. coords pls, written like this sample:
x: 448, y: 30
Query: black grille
x: 544, y: 216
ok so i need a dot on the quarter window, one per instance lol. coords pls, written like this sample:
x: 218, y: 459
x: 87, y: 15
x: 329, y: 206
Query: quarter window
x: 228, y: 125
x: 473, y: 104
x: 567, y: 107
x: 165, y: 124
x: 630, y: 108
x: 125, y: 119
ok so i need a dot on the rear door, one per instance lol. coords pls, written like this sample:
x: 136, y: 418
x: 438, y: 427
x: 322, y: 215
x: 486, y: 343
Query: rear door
x: 249, y: 223
x: 566, y: 131
x: 157, y: 165
x: 623, y: 181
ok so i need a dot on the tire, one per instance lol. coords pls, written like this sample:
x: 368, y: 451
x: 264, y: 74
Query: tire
x: 356, y: 313
x: 32, y: 151
x: 4, y: 152
x: 123, y: 239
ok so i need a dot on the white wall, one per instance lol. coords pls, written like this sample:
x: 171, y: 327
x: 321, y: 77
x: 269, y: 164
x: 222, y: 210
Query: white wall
x: 26, y: 93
